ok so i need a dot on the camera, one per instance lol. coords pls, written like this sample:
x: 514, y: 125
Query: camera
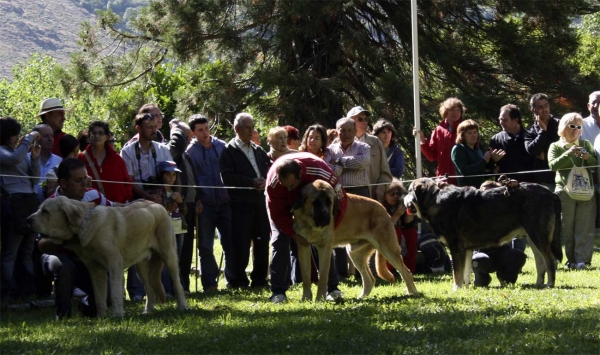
x: 150, y: 180
x: 582, y: 151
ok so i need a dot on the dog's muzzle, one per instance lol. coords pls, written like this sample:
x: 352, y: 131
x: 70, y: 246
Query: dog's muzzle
x: 411, y: 209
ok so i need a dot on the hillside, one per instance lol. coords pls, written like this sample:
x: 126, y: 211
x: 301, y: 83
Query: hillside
x: 48, y: 27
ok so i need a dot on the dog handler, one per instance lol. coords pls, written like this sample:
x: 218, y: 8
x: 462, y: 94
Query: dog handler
x: 60, y: 263
x: 284, y: 185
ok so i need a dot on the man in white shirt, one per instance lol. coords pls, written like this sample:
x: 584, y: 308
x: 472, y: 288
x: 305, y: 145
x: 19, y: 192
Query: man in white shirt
x: 591, y: 124
x: 141, y: 159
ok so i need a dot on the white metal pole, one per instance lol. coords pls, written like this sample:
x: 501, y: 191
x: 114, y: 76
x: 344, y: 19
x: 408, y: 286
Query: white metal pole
x: 415, y: 61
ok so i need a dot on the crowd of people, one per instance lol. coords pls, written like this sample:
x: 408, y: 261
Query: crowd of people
x: 244, y: 193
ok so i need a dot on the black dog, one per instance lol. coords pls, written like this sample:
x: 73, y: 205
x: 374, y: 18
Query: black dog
x: 465, y: 218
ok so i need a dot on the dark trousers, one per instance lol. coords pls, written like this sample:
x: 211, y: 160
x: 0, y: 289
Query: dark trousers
x: 296, y: 274
x: 281, y: 265
x: 505, y: 261
x: 17, y: 242
x: 187, y: 249
x: 68, y: 272
x: 251, y: 224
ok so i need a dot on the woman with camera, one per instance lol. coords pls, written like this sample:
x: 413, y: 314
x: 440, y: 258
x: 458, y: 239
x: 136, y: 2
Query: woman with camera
x: 567, y: 154
x: 18, y: 199
x: 103, y: 164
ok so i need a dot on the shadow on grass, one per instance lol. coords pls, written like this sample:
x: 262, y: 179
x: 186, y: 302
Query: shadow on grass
x: 374, y: 325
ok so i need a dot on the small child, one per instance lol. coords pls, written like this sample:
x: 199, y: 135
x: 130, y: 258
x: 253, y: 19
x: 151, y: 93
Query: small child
x: 404, y: 224
x: 166, y: 172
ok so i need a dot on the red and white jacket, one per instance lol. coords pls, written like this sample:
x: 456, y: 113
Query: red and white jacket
x: 280, y: 200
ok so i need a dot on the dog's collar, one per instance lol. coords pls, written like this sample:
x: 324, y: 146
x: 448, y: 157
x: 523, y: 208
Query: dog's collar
x: 85, y: 217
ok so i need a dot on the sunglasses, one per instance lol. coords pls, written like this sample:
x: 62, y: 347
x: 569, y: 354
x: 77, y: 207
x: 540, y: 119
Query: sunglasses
x: 572, y: 126
x: 363, y: 119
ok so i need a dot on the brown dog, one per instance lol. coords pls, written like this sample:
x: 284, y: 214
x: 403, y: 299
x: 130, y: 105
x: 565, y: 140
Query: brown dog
x: 365, y: 227
x: 109, y: 239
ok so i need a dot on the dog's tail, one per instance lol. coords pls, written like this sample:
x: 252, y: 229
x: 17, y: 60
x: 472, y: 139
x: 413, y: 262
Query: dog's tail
x: 555, y: 247
x: 381, y: 267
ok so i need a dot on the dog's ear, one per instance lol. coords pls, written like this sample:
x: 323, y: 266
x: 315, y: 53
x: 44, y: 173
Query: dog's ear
x: 299, y: 201
x: 75, y: 214
x: 336, y: 204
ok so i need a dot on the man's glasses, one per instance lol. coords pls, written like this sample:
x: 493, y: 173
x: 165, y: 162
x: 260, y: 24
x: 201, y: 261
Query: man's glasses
x: 149, y: 116
x: 572, y: 126
x: 97, y: 133
x: 363, y: 119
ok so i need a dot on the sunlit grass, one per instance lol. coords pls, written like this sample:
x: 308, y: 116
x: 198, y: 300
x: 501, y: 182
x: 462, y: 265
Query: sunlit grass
x: 519, y: 319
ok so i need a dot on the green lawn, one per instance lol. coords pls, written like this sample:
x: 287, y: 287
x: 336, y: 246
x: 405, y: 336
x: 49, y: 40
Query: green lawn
x: 513, y: 320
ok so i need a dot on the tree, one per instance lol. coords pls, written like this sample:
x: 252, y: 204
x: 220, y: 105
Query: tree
x: 299, y: 62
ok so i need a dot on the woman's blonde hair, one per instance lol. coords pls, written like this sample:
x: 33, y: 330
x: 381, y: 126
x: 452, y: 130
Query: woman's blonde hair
x: 568, y: 119
x: 463, y: 127
x: 274, y: 132
x: 451, y: 103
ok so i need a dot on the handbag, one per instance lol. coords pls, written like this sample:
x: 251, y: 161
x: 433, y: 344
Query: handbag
x: 579, y: 184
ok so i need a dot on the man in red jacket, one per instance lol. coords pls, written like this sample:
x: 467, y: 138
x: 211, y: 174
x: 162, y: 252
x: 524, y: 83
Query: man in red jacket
x: 284, y: 184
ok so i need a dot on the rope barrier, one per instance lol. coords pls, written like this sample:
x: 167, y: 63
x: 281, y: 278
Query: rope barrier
x: 252, y: 188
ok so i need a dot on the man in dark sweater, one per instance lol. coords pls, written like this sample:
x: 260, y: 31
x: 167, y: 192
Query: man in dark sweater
x: 245, y: 165
x: 538, y: 138
x: 512, y: 140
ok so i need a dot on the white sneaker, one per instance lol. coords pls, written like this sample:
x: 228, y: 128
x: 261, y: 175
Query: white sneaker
x: 334, y: 295
x: 278, y: 298
x: 580, y: 266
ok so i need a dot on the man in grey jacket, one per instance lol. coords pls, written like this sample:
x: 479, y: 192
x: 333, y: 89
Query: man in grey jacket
x: 379, y: 170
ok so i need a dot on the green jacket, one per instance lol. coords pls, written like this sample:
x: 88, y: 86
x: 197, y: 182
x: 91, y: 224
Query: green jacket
x: 561, y: 162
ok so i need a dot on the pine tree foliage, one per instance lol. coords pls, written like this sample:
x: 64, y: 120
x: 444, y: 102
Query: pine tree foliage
x: 304, y: 61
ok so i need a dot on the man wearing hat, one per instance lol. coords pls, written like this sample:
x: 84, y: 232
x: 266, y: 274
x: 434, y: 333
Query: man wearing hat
x: 52, y: 113
x: 379, y: 169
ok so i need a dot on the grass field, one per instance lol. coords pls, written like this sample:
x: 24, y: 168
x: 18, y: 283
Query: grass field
x: 513, y: 320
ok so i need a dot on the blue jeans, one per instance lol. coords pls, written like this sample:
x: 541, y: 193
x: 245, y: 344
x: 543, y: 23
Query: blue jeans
x: 213, y: 218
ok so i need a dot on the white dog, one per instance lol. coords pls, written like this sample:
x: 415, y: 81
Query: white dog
x: 110, y: 239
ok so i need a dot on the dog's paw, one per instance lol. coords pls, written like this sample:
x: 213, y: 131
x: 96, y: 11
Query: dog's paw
x: 307, y: 297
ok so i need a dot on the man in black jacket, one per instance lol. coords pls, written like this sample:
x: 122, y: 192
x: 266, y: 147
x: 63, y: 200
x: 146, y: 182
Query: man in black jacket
x: 512, y: 141
x: 245, y: 165
x: 538, y: 138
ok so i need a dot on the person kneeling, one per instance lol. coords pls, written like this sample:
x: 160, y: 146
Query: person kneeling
x: 506, y: 261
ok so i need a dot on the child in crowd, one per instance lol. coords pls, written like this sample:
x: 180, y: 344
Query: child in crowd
x: 166, y: 172
x: 405, y: 224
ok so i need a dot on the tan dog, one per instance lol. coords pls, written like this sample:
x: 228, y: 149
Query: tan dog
x: 110, y: 239
x: 366, y: 227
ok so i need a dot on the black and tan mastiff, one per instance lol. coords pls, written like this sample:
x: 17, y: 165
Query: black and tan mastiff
x: 365, y: 227
x: 465, y: 218
x: 110, y: 239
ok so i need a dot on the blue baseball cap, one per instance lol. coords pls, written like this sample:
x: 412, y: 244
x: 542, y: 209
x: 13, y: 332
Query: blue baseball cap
x: 166, y: 166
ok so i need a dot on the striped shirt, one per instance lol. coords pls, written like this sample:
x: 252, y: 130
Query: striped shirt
x: 350, y: 165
